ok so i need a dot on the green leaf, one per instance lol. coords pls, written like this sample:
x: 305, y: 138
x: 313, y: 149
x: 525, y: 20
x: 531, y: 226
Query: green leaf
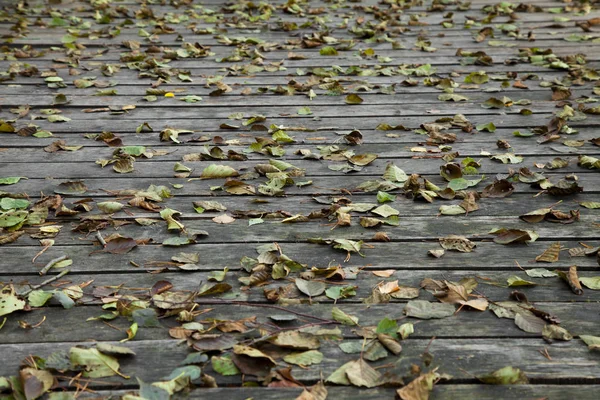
x: 94, y: 363
x: 191, y: 99
x: 593, y: 342
x: 507, y: 158
x: 110, y: 207
x: 12, y: 218
x: 523, y: 134
x: 590, y: 204
x: 489, y: 127
x: 63, y: 299
x: 310, y: 288
x: 505, y: 376
x: 388, y: 327
x: 540, y: 273
x: 7, y: 203
x: 215, y: 171
x: 462, y: 183
x: 340, y: 292
x: 591, y: 283
x: 477, y: 78
x: 305, y: 358
x: 224, y: 365
x: 405, y: 330
x: 179, y: 379
x: 9, y: 303
x: 348, y: 245
x: 38, y: 298
x: 11, y: 180
x: 328, y: 51
x: 145, y: 317
x: 385, y: 211
x: 353, y: 99
x: 516, y: 281
x: 343, y: 317
x: 394, y: 174
x: 304, y: 111
x: 134, y: 151
x: 383, y: 197
x: 149, y: 392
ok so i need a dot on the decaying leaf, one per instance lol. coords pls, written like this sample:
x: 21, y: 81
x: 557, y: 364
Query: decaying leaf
x: 420, y: 388
x: 511, y: 236
x: 551, y: 254
x: 457, y: 243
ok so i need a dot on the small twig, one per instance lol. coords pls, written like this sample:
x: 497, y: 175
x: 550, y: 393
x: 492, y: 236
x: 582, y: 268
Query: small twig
x: 429, y: 344
x: 46, y: 247
x: 519, y: 265
x: 47, y: 281
x: 51, y: 264
x: 545, y: 353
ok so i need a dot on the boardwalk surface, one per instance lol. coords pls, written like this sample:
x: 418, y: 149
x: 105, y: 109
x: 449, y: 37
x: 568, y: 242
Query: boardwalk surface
x: 327, y: 196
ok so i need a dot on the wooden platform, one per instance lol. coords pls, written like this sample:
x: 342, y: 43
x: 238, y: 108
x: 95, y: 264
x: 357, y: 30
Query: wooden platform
x: 313, y: 121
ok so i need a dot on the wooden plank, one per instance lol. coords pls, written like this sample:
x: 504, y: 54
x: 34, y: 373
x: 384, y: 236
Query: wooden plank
x: 571, y: 361
x: 402, y: 141
x: 217, y: 256
x: 538, y: 97
x: 322, y: 185
x: 283, y: 78
x: 465, y: 324
x: 117, y: 124
x: 516, y: 204
x: 159, y: 169
x: 359, y: 111
x: 39, y: 94
x: 410, y: 229
x: 440, y: 391
x: 407, y: 55
x: 526, y: 149
x: 130, y: 77
x: 492, y: 284
x: 48, y: 37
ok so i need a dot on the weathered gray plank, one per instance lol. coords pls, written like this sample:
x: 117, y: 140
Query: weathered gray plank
x: 160, y: 169
x: 322, y: 185
x: 117, y: 124
x: 516, y: 204
x: 465, y: 324
x: 525, y: 148
x: 414, y: 96
x: 571, y: 361
x: 400, y: 141
x: 440, y: 391
x: 216, y: 256
x: 358, y: 111
x: 410, y: 229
